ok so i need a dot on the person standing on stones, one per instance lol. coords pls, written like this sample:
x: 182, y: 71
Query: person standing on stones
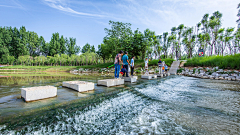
x: 125, y: 63
x: 132, y: 65
x: 146, y: 66
x: 117, y: 63
x: 160, y: 66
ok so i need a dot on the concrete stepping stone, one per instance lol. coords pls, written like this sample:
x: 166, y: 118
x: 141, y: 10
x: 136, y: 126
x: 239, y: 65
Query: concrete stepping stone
x: 146, y: 77
x: 111, y: 82
x: 130, y: 79
x: 38, y: 93
x: 159, y: 75
x: 80, y: 86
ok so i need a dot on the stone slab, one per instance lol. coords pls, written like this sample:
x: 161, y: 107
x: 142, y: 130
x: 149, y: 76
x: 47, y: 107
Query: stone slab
x: 159, y: 75
x: 37, y: 93
x: 80, y: 86
x: 130, y: 79
x: 111, y: 82
x: 135, y: 77
x: 146, y: 77
x: 154, y: 76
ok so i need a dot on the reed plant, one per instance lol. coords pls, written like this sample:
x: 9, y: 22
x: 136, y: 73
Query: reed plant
x: 223, y: 62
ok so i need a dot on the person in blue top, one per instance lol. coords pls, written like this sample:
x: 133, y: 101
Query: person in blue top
x: 132, y: 65
x: 166, y: 67
x: 125, y: 63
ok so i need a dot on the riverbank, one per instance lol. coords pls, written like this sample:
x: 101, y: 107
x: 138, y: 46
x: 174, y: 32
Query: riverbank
x: 99, y: 68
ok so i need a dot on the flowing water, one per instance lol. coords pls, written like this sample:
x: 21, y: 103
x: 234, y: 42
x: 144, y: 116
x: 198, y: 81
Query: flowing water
x: 171, y: 105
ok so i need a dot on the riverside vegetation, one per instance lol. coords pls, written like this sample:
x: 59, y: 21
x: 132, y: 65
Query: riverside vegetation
x: 22, y: 47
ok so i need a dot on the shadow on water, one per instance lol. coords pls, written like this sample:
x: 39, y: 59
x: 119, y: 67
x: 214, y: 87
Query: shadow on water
x: 171, y: 105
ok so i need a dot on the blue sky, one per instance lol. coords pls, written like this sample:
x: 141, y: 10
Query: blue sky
x: 85, y: 20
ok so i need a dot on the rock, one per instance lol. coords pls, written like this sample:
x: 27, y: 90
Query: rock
x: 224, y: 75
x: 214, y: 73
x: 221, y: 78
x: 204, y: 77
x: 236, y: 72
x: 201, y: 71
x: 216, y: 68
x: 211, y: 77
x: 220, y: 70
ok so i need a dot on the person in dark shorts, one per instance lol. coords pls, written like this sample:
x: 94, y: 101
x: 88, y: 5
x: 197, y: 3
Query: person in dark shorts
x: 125, y: 63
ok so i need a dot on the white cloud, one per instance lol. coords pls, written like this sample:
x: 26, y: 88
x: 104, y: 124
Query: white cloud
x: 161, y: 15
x: 62, y: 5
x: 11, y: 4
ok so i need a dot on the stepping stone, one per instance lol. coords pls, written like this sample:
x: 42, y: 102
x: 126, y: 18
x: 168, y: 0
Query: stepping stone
x: 79, y: 86
x: 129, y: 79
x: 146, y: 77
x: 154, y: 76
x: 159, y: 75
x: 135, y: 77
x: 38, y: 93
x: 111, y: 82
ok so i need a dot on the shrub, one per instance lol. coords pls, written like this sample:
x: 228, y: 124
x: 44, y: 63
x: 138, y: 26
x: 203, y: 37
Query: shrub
x: 224, y: 62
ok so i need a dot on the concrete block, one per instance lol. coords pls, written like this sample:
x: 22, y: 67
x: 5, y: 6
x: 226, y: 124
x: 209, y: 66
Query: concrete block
x: 154, y: 76
x: 111, y: 82
x: 79, y: 86
x: 146, y: 77
x: 159, y: 75
x: 135, y: 77
x: 129, y: 79
x: 37, y: 93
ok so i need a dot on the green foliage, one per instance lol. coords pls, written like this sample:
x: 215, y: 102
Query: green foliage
x: 180, y: 70
x: 138, y: 71
x: 224, y: 62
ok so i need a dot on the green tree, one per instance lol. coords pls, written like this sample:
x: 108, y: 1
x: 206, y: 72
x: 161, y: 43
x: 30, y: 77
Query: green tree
x: 86, y: 48
x: 72, y: 48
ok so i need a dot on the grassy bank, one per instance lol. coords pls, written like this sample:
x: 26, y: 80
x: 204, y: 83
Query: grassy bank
x: 138, y: 63
x: 223, y: 62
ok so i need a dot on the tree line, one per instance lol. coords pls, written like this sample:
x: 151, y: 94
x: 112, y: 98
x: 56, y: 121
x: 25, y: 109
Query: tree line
x: 182, y: 42
x: 18, y: 46
x: 20, y: 42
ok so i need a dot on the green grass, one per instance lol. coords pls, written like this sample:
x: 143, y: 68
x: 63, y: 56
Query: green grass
x: 41, y: 68
x: 224, y: 62
x: 138, y: 63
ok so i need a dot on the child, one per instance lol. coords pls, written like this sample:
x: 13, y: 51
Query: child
x: 166, y: 67
x: 123, y: 70
x: 146, y: 66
